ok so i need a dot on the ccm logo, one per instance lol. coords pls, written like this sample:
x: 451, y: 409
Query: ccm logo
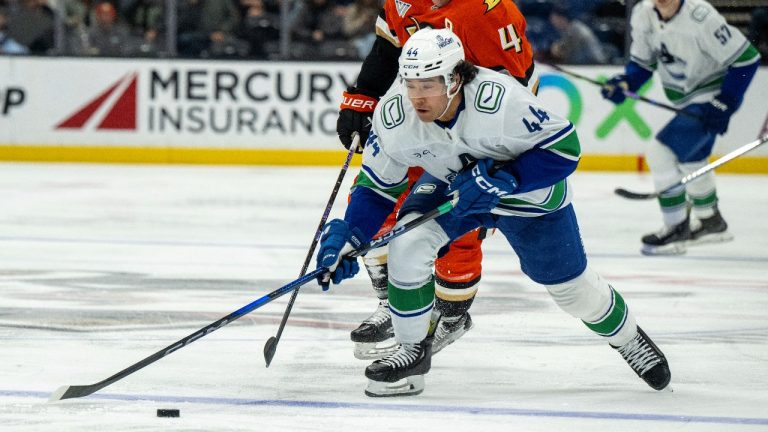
x: 483, y: 183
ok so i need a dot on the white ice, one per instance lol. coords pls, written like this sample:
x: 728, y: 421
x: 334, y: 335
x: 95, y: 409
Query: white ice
x: 104, y: 265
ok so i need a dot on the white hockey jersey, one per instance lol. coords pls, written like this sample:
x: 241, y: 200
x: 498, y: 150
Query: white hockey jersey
x: 692, y: 51
x: 500, y: 119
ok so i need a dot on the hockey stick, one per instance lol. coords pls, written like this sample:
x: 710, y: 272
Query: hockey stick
x: 629, y: 94
x: 694, y: 175
x: 271, y: 345
x: 76, y: 391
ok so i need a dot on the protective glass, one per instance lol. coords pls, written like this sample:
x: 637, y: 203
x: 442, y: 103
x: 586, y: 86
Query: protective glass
x: 429, y: 87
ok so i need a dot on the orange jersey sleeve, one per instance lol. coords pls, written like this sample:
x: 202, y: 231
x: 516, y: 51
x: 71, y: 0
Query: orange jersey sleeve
x: 493, y: 31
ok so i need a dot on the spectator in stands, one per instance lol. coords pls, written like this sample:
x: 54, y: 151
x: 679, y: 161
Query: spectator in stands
x: 7, y: 44
x: 146, y: 19
x: 258, y: 27
x: 577, y: 43
x: 30, y: 23
x: 106, y: 35
x: 359, y: 23
x: 75, y: 15
x: 206, y: 28
x: 758, y: 31
x: 317, y: 27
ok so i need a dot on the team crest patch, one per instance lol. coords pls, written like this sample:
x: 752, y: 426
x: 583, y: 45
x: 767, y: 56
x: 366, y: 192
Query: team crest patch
x: 700, y: 13
x: 392, y: 112
x: 488, y: 99
x: 402, y: 7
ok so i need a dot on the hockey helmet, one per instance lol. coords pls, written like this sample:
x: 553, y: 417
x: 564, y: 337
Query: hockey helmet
x: 431, y: 53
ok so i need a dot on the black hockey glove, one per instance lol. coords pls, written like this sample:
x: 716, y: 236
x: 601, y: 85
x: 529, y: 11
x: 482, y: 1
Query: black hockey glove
x: 355, y: 116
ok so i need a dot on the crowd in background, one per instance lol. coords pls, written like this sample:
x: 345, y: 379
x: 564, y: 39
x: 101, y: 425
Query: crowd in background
x: 563, y: 31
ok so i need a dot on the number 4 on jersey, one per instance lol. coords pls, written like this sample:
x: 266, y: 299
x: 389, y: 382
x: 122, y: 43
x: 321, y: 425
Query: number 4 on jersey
x: 540, y: 115
x: 510, y: 39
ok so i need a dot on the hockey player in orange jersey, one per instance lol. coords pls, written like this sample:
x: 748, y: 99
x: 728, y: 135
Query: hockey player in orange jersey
x: 493, y: 32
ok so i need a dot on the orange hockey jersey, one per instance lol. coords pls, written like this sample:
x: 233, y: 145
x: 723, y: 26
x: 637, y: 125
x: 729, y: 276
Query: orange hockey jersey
x: 493, y: 31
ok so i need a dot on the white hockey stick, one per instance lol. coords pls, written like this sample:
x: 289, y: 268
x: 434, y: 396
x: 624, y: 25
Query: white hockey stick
x: 696, y: 174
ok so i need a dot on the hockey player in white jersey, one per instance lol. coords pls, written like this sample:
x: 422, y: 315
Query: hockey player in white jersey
x: 705, y: 66
x: 483, y: 136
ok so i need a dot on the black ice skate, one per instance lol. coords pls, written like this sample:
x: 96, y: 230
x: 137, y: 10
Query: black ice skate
x: 710, y: 230
x: 401, y: 373
x: 451, y: 329
x: 374, y: 338
x: 668, y: 241
x: 646, y: 360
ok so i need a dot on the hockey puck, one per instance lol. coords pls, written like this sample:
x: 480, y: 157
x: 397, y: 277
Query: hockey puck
x: 168, y: 413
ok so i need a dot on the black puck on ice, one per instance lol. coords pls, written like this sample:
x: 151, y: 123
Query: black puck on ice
x: 168, y: 413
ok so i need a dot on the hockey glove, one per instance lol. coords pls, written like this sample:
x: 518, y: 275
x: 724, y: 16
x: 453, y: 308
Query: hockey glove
x: 479, y: 191
x: 717, y: 114
x: 337, y: 241
x: 355, y: 117
x: 614, y: 88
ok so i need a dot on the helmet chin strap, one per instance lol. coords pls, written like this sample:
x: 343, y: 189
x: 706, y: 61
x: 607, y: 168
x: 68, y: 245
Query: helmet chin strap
x: 450, y: 98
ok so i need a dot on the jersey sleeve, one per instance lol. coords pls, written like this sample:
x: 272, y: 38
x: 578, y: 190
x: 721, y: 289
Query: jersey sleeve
x: 376, y: 189
x: 553, y: 146
x: 381, y: 173
x: 641, y: 51
x: 718, y: 39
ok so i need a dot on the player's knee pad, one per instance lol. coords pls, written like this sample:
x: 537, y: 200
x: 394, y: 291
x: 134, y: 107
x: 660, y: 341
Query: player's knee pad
x: 663, y: 164
x: 586, y: 296
x: 412, y: 256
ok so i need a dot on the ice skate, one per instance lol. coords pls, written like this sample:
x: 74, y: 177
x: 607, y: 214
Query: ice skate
x: 713, y: 229
x: 374, y: 338
x: 449, y: 330
x: 401, y: 373
x: 667, y: 241
x: 646, y: 360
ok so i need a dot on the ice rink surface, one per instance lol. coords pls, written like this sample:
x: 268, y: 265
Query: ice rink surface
x: 104, y: 265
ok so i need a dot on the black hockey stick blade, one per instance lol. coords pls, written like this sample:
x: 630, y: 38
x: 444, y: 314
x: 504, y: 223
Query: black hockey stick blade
x: 76, y: 391
x: 634, y: 195
x: 270, y: 347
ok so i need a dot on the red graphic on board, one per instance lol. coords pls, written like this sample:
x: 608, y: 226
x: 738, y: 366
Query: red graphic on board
x: 121, y: 114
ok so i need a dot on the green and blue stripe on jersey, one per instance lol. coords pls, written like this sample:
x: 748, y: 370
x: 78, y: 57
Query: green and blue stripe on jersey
x: 733, y: 80
x: 546, y: 166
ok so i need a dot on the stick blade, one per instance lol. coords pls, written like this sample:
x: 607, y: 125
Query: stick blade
x: 69, y: 392
x: 634, y: 195
x: 269, y: 349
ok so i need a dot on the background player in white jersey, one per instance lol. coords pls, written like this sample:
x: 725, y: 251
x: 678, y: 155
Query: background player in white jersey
x: 483, y: 136
x: 705, y: 66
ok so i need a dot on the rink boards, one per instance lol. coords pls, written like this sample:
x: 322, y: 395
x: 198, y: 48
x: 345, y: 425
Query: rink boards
x: 269, y: 113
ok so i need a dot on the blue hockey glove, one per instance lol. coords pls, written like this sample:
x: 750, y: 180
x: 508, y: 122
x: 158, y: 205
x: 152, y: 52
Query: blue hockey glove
x: 717, y: 114
x: 479, y: 191
x: 337, y: 241
x: 613, y: 89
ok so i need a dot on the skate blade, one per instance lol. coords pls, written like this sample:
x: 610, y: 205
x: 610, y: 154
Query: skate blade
x: 409, y: 386
x: 712, y: 238
x: 375, y: 350
x: 670, y: 249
